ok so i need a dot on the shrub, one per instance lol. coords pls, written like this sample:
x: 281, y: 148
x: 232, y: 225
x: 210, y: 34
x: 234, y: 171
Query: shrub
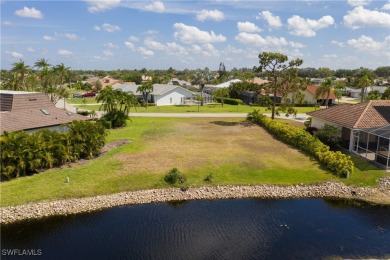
x: 329, y: 135
x: 174, y: 176
x: 83, y: 112
x: 209, y: 177
x: 117, y: 118
x: 337, y: 162
x: 25, y: 154
x: 230, y: 101
x: 105, y: 123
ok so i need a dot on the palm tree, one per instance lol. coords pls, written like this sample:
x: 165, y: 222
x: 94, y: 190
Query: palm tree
x: 62, y: 71
x: 325, y: 89
x: 108, y: 99
x: 363, y: 83
x: 21, y: 71
x: 41, y: 64
x: 145, y: 89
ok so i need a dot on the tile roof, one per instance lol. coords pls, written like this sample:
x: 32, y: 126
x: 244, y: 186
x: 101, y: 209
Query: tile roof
x: 371, y: 114
x: 313, y: 88
x: 23, y: 111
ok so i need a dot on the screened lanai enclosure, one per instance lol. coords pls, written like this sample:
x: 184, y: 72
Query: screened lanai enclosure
x: 373, y: 144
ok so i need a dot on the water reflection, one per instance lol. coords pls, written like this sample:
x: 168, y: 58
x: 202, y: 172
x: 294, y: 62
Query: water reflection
x: 220, y: 229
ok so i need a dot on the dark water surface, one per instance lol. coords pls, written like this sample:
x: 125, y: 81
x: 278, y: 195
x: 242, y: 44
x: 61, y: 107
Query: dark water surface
x: 220, y: 229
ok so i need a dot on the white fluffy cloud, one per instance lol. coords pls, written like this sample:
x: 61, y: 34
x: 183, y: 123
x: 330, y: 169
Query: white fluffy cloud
x: 386, y: 6
x: 108, y: 53
x: 174, y: 48
x: 272, y: 20
x: 358, y: 2
x: 107, y: 27
x: 111, y: 45
x: 48, y: 38
x: 308, y: 27
x: 130, y: 45
x: 71, y: 36
x: 206, y: 49
x: 63, y: 52
x: 360, y: 17
x: 17, y: 55
x: 210, y: 15
x: 259, y: 41
x: 133, y: 38
x: 340, y: 44
x: 157, y: 7
x: 145, y: 52
x: 29, y: 13
x: 95, y: 6
x: 151, y: 44
x: 247, y: 27
x: 191, y: 34
x: 366, y: 43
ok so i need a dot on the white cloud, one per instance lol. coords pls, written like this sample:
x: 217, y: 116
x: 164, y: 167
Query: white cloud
x: 108, y: 53
x: 17, y: 55
x: 48, y: 38
x: 7, y: 23
x: 206, y: 49
x: 95, y: 6
x: 272, y: 20
x: 174, y: 48
x: 71, y: 36
x: 111, y: 45
x: 367, y: 44
x: 340, y: 44
x: 247, y: 27
x: 130, y: 45
x: 110, y: 28
x: 210, y: 15
x: 63, y: 52
x: 259, y: 41
x: 157, y: 7
x: 191, y: 34
x: 96, y: 28
x: 360, y: 17
x: 30, y: 49
x: 386, y: 6
x: 296, y: 45
x: 329, y: 56
x: 133, y: 38
x: 307, y: 27
x: 145, y: 52
x: 29, y: 13
x: 359, y: 2
x: 151, y: 44
x: 232, y: 50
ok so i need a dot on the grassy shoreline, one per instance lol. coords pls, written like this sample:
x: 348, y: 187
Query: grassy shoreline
x: 234, y: 152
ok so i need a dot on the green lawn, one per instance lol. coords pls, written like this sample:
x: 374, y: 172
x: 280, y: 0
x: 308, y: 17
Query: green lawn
x: 80, y: 101
x: 232, y: 151
x: 209, y: 108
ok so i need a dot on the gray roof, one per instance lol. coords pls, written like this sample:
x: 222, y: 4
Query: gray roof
x: 128, y: 88
x: 31, y: 110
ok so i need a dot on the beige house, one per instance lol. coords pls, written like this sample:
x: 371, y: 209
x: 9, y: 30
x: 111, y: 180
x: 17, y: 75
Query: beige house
x: 31, y: 111
x: 365, y: 128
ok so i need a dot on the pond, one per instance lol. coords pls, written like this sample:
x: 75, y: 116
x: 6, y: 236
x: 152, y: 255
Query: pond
x: 218, y: 229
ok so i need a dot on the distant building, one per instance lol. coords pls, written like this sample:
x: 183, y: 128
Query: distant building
x: 31, y: 111
x: 181, y: 83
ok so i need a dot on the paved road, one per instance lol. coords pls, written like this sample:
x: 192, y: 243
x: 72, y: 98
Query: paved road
x: 300, y: 117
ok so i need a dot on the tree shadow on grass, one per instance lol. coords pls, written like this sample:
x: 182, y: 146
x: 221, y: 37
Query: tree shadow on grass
x: 227, y: 123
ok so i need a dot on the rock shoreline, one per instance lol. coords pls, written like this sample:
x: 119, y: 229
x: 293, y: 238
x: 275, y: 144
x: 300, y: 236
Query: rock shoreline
x: 65, y: 207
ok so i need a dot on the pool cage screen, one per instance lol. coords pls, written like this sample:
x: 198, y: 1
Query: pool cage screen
x: 373, y: 144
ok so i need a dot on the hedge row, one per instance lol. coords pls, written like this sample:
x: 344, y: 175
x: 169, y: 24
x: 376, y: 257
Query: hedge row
x: 230, y: 101
x: 337, y: 162
x: 25, y: 154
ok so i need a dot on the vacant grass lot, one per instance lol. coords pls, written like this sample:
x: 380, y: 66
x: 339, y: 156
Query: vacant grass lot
x: 207, y: 108
x: 233, y: 151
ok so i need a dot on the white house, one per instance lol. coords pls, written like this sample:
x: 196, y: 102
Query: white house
x: 162, y: 95
x: 309, y: 96
x: 227, y: 83
x: 165, y: 95
x: 355, y: 93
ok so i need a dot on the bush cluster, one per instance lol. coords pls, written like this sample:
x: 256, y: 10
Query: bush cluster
x: 337, y: 162
x: 230, y: 101
x: 25, y: 154
x: 174, y: 176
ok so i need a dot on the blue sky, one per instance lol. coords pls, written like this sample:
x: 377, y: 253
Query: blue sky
x: 120, y: 34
